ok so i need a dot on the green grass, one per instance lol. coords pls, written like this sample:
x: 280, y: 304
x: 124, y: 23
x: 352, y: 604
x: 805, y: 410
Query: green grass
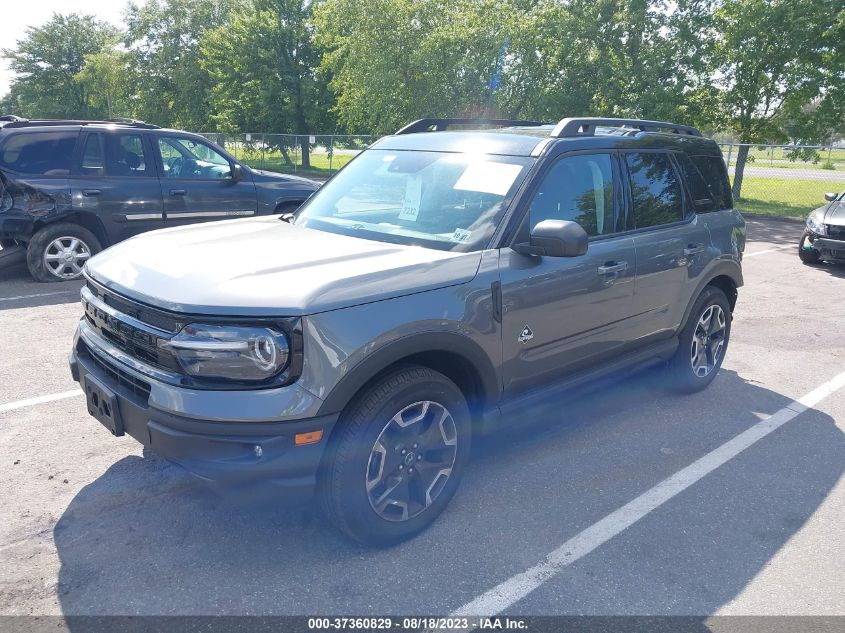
x: 321, y: 165
x: 783, y: 197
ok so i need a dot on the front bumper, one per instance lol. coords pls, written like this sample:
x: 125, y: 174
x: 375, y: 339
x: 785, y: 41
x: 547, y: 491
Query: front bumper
x: 227, y: 453
x: 828, y: 248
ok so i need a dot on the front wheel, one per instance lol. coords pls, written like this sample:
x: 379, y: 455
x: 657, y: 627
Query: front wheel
x: 806, y: 253
x: 702, y: 342
x: 398, y: 457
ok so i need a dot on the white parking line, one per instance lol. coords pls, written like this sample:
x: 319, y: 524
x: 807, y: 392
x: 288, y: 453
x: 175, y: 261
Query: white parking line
x: 40, y: 294
x: 768, y: 250
x: 517, y: 587
x: 21, y: 404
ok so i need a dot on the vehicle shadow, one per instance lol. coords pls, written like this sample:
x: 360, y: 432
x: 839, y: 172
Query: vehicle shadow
x: 145, y: 538
x: 19, y: 290
x: 773, y: 230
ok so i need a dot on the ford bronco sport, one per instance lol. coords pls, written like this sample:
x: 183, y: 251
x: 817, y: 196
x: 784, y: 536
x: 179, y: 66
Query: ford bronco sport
x: 68, y: 189
x: 439, y: 285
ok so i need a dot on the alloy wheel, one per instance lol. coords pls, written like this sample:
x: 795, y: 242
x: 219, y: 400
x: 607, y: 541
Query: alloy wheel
x: 411, y: 460
x: 708, y: 340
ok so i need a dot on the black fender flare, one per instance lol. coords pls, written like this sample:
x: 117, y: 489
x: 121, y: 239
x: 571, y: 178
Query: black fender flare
x: 722, y: 268
x: 426, y: 342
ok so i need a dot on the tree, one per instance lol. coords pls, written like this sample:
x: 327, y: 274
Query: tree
x: 105, y: 76
x: 773, y: 58
x: 263, y: 65
x: 47, y: 61
x: 172, y: 88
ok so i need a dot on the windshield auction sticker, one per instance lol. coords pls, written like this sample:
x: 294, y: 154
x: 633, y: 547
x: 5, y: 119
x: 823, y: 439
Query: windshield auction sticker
x: 488, y: 177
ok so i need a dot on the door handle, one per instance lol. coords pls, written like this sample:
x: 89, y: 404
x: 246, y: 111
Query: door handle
x: 91, y: 192
x: 612, y: 267
x: 692, y: 249
x: 177, y: 192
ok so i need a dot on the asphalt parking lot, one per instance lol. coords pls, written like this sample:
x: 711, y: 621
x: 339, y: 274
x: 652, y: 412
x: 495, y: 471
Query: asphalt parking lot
x: 91, y: 524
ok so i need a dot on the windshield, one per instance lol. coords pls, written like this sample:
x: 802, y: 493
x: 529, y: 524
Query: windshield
x: 439, y: 200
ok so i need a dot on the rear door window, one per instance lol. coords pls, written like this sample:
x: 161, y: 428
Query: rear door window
x: 125, y: 155
x: 39, y: 153
x: 656, y: 190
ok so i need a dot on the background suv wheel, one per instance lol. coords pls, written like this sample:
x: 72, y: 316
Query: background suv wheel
x: 58, y: 252
x: 397, y: 456
x: 702, y: 343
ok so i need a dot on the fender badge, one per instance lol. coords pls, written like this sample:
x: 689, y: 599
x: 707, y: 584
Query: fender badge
x: 526, y: 335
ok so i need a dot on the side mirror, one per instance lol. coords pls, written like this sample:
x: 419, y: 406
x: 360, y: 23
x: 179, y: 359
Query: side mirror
x: 237, y: 172
x: 555, y: 238
x: 830, y: 196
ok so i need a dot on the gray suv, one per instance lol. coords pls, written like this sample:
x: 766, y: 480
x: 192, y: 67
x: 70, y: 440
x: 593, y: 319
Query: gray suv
x: 442, y: 284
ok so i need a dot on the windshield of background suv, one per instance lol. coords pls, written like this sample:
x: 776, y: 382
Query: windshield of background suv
x: 441, y: 200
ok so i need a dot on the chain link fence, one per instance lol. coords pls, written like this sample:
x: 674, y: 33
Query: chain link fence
x: 786, y: 180
x: 312, y: 155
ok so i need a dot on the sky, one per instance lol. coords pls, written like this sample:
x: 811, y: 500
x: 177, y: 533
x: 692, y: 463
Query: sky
x: 16, y: 16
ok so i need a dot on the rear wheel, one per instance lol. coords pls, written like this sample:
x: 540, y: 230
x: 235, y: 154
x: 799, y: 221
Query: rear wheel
x: 58, y: 252
x: 702, y: 342
x: 398, y: 457
x: 806, y: 253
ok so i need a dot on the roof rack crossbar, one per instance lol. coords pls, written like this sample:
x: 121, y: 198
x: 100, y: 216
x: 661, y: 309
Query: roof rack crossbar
x: 439, y: 125
x: 586, y: 126
x: 56, y: 122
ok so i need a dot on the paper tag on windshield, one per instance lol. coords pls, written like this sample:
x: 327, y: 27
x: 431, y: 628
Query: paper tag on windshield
x: 461, y: 235
x: 411, y: 203
x: 488, y: 177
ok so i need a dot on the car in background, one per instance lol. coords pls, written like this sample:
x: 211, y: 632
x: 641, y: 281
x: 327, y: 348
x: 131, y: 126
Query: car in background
x: 69, y: 189
x: 824, y: 234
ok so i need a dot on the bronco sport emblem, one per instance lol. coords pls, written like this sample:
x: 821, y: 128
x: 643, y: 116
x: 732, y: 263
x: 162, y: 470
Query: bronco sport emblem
x: 526, y: 335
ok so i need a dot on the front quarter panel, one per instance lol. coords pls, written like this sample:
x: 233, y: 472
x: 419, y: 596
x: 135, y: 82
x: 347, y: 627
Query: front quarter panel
x: 345, y: 348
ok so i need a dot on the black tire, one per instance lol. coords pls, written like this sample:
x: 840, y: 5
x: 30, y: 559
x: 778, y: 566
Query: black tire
x: 348, y: 467
x: 682, y: 373
x: 44, y: 238
x: 809, y: 256
x: 7, y: 243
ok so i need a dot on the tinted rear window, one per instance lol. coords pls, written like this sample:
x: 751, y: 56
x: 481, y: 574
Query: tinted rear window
x: 39, y: 153
x: 702, y: 197
x: 716, y: 175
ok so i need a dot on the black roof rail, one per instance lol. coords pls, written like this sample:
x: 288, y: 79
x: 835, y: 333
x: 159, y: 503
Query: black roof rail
x: 439, y: 125
x: 58, y: 122
x: 586, y: 126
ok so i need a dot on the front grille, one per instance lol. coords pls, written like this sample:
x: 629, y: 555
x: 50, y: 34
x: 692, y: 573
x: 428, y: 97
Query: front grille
x: 146, y: 314
x: 119, y: 377
x: 836, y: 232
x: 138, y: 343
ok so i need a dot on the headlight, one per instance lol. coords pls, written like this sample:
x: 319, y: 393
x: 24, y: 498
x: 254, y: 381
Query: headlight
x: 815, y: 224
x: 230, y: 352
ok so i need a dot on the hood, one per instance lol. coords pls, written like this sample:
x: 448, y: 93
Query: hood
x: 263, y: 174
x: 263, y: 266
